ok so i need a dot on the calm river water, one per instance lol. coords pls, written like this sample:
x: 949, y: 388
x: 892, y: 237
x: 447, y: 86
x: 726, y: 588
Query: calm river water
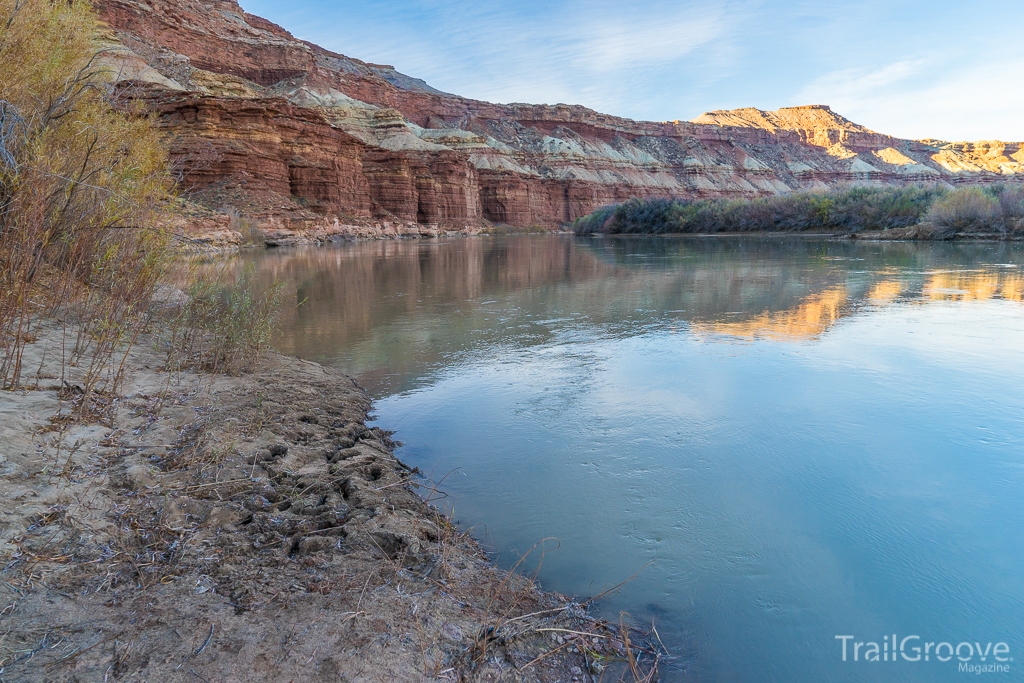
x: 805, y: 439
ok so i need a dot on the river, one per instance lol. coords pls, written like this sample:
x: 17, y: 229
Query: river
x: 789, y: 439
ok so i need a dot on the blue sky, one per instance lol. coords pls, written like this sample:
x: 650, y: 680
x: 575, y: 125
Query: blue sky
x: 913, y: 68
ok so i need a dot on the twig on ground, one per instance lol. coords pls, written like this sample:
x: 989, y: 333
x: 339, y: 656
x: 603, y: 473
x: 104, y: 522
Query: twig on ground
x: 205, y: 643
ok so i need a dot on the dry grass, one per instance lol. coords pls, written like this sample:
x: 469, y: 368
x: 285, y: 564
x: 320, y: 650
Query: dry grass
x: 225, y: 324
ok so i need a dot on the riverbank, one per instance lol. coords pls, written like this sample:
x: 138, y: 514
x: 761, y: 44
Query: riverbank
x: 199, y: 229
x: 896, y: 235
x: 210, y: 238
x: 250, y: 528
x: 913, y: 212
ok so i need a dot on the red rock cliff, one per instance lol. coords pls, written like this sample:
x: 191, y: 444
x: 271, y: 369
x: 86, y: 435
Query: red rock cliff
x: 310, y: 142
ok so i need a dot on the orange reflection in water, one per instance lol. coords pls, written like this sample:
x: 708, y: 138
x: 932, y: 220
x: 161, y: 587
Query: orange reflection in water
x: 819, y: 312
x: 885, y: 291
x: 968, y: 286
x: 1012, y: 287
x: 807, y: 320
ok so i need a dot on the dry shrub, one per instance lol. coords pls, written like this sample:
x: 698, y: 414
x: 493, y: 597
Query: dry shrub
x: 225, y: 325
x: 1011, y: 206
x: 968, y: 209
x: 81, y: 180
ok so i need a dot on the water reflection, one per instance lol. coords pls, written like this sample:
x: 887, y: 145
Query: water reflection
x: 392, y: 311
x: 885, y: 291
x: 808, y: 438
x: 812, y: 316
x: 976, y: 286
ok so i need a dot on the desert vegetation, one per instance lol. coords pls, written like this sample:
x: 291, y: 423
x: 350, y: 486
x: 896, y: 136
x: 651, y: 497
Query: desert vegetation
x: 940, y: 213
x: 82, y: 180
x: 973, y: 210
x: 84, y: 186
x: 224, y: 323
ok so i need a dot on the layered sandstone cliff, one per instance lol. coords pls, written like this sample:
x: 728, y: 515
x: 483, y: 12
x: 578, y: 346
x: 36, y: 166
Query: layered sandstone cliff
x: 310, y: 144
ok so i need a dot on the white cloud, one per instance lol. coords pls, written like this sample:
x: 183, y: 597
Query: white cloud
x: 619, y: 43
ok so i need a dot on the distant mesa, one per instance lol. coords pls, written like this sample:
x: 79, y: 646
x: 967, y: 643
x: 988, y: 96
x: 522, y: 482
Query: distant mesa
x: 309, y: 144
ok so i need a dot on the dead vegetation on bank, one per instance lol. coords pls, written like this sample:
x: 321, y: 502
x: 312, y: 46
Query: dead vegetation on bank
x: 252, y: 528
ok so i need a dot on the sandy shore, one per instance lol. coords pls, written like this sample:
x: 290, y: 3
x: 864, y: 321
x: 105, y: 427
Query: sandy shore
x: 213, y: 528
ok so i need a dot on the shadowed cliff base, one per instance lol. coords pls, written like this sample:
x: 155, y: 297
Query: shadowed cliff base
x: 310, y: 145
x: 915, y: 212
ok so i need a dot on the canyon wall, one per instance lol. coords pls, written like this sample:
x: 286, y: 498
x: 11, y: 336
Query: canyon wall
x: 308, y: 144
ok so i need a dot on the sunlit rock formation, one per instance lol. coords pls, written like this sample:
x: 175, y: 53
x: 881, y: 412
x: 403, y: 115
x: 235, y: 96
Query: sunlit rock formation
x: 882, y: 155
x: 310, y: 144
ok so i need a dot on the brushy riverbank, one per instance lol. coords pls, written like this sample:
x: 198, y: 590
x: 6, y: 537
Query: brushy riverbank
x: 197, y: 526
x: 913, y: 212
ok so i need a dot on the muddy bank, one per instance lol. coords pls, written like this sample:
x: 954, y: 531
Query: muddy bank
x: 214, y: 528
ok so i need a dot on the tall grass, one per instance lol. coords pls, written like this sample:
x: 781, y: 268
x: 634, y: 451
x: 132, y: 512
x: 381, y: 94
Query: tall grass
x: 225, y: 324
x: 81, y: 179
x: 847, y: 210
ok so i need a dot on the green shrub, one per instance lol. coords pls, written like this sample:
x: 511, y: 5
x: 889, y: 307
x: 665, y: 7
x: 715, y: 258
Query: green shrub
x: 82, y: 179
x: 849, y: 209
x: 593, y: 222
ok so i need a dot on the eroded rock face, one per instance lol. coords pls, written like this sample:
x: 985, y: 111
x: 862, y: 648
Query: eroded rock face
x: 266, y: 145
x: 312, y: 143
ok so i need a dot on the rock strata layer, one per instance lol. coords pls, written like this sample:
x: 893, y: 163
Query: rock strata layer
x: 311, y: 145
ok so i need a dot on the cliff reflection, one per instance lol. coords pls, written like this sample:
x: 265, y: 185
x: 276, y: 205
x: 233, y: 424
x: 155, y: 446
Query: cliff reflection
x: 806, y: 320
x: 966, y: 286
x: 886, y: 291
x: 391, y: 312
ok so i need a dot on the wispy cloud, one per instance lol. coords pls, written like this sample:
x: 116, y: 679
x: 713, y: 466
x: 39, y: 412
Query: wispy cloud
x: 851, y: 84
x: 591, y: 52
x: 629, y: 43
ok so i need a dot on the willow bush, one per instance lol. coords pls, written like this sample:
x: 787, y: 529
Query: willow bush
x: 82, y: 178
x: 1011, y: 204
x: 969, y: 209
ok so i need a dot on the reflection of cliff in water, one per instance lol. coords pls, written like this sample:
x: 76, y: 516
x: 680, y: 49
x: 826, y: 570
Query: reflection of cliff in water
x: 808, y: 319
x: 818, y: 312
x: 747, y: 285
x: 392, y: 311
